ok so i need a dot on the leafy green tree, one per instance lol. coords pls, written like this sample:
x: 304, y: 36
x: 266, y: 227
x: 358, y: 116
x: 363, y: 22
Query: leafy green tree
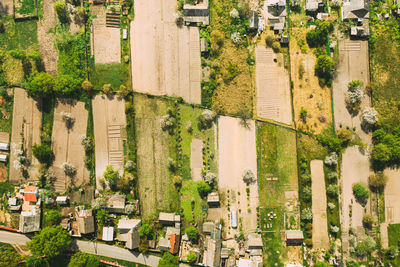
x: 42, y: 152
x: 319, y: 35
x: 368, y: 221
x: 203, y: 188
x: 61, y: 11
x: 193, y: 234
x: 191, y: 257
x: 111, y: 175
x: 50, y: 242
x: 377, y: 181
x: 9, y: 257
x: 40, y: 84
x: 324, y: 66
x: 82, y: 259
x: 17, y: 54
x: 365, y: 246
x: 303, y: 114
x: 146, y: 231
x: 168, y: 260
x: 102, y: 216
x: 36, y: 261
x: 381, y: 153
x: 52, y: 218
x: 67, y: 85
x: 87, y: 86
x: 361, y: 193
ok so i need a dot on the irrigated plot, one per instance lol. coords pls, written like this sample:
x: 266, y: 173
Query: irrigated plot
x: 26, y: 123
x: 320, y: 236
x: 154, y: 148
x: 273, y: 91
x: 237, y: 155
x: 165, y: 58
x: 66, y: 142
x: 109, y: 132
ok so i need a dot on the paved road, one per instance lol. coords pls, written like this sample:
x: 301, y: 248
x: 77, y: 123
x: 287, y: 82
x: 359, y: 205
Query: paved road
x: 92, y: 248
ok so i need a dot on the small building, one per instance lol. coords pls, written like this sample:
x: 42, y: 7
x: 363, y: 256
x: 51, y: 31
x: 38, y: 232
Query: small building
x: 359, y: 32
x: 125, y: 34
x: 212, y: 252
x: 171, y: 240
x: 29, y: 221
x: 85, y: 220
x: 208, y: 227
x: 116, y: 203
x: 203, y: 45
x: 13, y: 204
x: 4, y: 147
x: 3, y: 158
x: 196, y: 14
x: 169, y: 218
x: 294, y: 237
x: 108, y: 233
x: 253, y: 21
x: 62, y: 200
x: 225, y: 252
x: 213, y: 199
x: 31, y: 194
x: 314, y: 6
x: 254, y: 242
x: 355, y: 9
x: 128, y: 231
x: 233, y: 218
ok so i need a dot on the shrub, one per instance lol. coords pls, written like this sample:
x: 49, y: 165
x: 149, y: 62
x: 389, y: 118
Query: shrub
x: 332, y: 190
x: 306, y: 214
x: 42, y: 152
x: 234, y: 13
x: 381, y: 153
x: 68, y: 119
x: 40, y: 84
x: 177, y: 180
x: 67, y: 85
x: 308, y: 242
x: 368, y: 221
x: 248, y: 177
x: 307, y: 193
x: 319, y: 35
x: 370, y: 116
x: 377, y: 181
x: 334, y: 228
x: 305, y: 177
x: 123, y: 91
x: 332, y: 176
x: 107, y: 89
x: 345, y: 135
x: 192, y: 233
x: 99, y: 203
x: 203, y: 188
x: 324, y: 66
x: 331, y: 159
x: 303, y: 114
x: 269, y: 40
x: 206, y: 119
x: 61, y: 10
x: 276, y: 46
x: 53, y: 217
x: 331, y: 206
x: 167, y: 123
x: 392, y: 253
x: 146, y: 231
x: 191, y: 257
x: 130, y: 209
x: 111, y: 175
x: 361, y: 193
x: 87, y: 86
x: 68, y: 169
x: 365, y: 246
x: 210, y: 178
x: 130, y: 166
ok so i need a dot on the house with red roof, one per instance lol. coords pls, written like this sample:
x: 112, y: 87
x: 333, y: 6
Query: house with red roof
x: 31, y: 194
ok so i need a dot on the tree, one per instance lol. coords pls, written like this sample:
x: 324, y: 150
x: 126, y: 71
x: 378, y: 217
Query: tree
x: 210, y: 178
x: 40, y: 84
x: 303, y: 114
x: 168, y: 260
x: 87, y: 86
x: 206, y: 119
x: 123, y: 91
x: 36, y: 261
x: 368, y: 221
x: 307, y: 193
x: 99, y: 203
x: 332, y: 190
x: 82, y: 259
x: 381, y: 153
x: 345, y: 135
x: 107, y: 89
x: 269, y: 40
x: 43, y: 153
x: 50, y: 242
x: 52, y: 218
x: 68, y: 119
x: 324, y: 66
x: 319, y: 35
x: 377, y: 181
x: 9, y: 257
x: 111, y: 175
x: 124, y: 184
x: 248, y: 177
x: 68, y: 169
x: 369, y: 116
x: 102, y: 216
x: 306, y: 214
x: 361, y: 193
x: 61, y: 11
x: 66, y: 85
x: 193, y: 234
x: 203, y: 188
x: 365, y: 246
x: 191, y: 257
x: 146, y: 231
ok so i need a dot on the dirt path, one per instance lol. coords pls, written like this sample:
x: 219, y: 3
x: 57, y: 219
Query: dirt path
x: 109, y: 123
x: 26, y: 122
x: 355, y: 169
x: 273, y: 91
x: 320, y: 236
x: 196, y: 158
x: 165, y: 58
x: 67, y: 146
x: 47, y: 50
x: 353, y: 65
x: 236, y: 153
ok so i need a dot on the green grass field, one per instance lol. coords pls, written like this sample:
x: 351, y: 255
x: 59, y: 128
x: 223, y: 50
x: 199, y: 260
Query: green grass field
x: 394, y: 239
x: 18, y: 35
x: 190, y: 115
x: 276, y: 151
x: 191, y: 203
x: 25, y: 7
x: 114, y: 74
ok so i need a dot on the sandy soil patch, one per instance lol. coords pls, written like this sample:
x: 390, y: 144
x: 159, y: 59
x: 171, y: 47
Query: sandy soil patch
x: 4, y: 137
x: 106, y: 41
x: 320, y: 226
x: 165, y: 58
x: 236, y: 153
x: 47, y: 50
x: 392, y: 196
x: 66, y: 144
x: 26, y: 122
x: 6, y: 7
x: 273, y: 91
x: 109, y: 131
x: 307, y: 92
x: 196, y: 158
x: 355, y: 169
x: 353, y: 65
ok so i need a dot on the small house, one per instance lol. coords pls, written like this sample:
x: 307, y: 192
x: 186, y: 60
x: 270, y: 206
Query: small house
x: 13, y: 204
x: 128, y: 231
x: 355, y: 9
x: 294, y: 237
x: 171, y: 240
x: 116, y: 203
x: 254, y: 241
x: 62, y: 200
x: 3, y: 158
x: 212, y: 252
x: 213, y: 200
x: 31, y: 194
x: 169, y: 218
x: 85, y: 220
x: 29, y: 221
x: 196, y: 14
x: 4, y: 147
x: 108, y: 233
x: 208, y: 227
x: 313, y: 6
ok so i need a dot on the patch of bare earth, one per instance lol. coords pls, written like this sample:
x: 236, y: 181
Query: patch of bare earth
x: 66, y: 144
x: 26, y: 123
x: 47, y: 50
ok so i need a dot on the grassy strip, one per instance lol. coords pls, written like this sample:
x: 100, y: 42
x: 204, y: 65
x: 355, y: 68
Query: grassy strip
x: 130, y: 145
x: 191, y: 203
x: 18, y: 35
x: 90, y: 162
x: 114, y: 74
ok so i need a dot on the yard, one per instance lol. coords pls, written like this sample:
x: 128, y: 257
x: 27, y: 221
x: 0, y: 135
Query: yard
x: 156, y: 150
x: 278, y: 187
x: 192, y: 204
x: 114, y: 74
x: 394, y: 238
